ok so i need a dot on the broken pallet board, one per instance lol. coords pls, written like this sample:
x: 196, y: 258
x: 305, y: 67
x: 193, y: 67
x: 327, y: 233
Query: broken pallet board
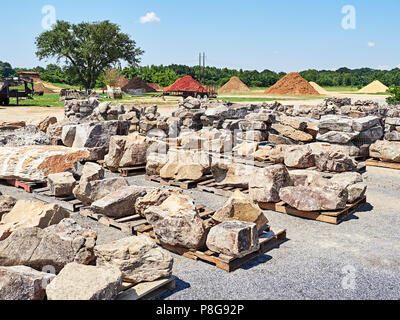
x: 382, y: 164
x: 132, y: 171
x: 146, y: 290
x: 268, y: 240
x: 27, y: 186
x: 211, y: 186
x: 332, y: 217
x: 68, y: 202
x: 185, y: 184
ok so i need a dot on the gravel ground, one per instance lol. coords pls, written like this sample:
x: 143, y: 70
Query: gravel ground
x: 358, y: 259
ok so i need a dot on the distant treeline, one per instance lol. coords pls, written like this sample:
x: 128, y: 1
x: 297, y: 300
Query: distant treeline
x: 166, y: 75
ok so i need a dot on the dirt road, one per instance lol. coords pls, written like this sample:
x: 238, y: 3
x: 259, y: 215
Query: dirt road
x: 29, y: 114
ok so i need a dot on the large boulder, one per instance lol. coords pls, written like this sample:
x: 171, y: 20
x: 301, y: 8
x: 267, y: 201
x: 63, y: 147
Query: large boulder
x: 27, y: 214
x: 353, y: 182
x: 138, y: 258
x: 38, y: 248
x: 89, y: 192
x: 300, y: 157
x: 35, y: 163
x: 176, y: 222
x: 120, y: 203
x: 185, y: 165
x: 155, y: 162
x: 23, y: 283
x: 337, y: 136
x: 310, y: 198
x: 94, y: 135
x: 240, y: 207
x: 81, y: 282
x: 334, y: 161
x: 24, y: 136
x: 233, y: 238
x: 292, y: 133
x: 125, y: 151
x: 61, y: 184
x: 153, y: 198
x: 226, y: 172
x: 265, y: 183
x: 336, y: 123
x: 386, y: 151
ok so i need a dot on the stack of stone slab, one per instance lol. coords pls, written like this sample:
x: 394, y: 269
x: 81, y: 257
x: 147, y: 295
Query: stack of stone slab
x: 346, y: 130
x: 392, y: 126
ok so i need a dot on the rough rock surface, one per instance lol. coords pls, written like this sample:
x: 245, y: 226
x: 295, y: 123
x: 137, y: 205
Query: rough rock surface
x: 233, y: 238
x: 120, y: 203
x: 35, y: 163
x: 334, y: 162
x: 225, y: 172
x: 39, y: 249
x: 89, y: 192
x: 176, y: 222
x: 265, y: 183
x: 153, y: 198
x: 386, y: 151
x: 81, y: 282
x: 61, y: 184
x: 240, y: 207
x: 23, y: 283
x: 315, y: 198
x: 300, y: 157
x: 40, y: 215
x: 138, y: 258
x: 25, y: 136
x: 6, y: 204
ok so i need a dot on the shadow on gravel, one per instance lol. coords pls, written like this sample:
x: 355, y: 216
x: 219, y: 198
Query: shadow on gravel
x: 366, y: 207
x: 179, y: 286
x: 263, y: 258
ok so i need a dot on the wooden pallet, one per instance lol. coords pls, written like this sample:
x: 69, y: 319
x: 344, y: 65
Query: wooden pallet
x: 132, y: 171
x: 332, y: 217
x: 382, y: 164
x: 211, y: 186
x: 268, y: 239
x: 185, y: 184
x: 132, y: 224
x: 27, y: 186
x: 146, y: 290
x: 68, y: 202
x: 136, y: 170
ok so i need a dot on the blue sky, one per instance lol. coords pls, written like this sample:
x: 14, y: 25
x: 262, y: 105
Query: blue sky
x: 285, y: 35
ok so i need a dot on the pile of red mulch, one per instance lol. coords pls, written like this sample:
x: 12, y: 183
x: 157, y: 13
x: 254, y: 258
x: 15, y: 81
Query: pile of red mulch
x: 156, y: 86
x: 137, y: 83
x: 186, y: 83
x: 292, y: 84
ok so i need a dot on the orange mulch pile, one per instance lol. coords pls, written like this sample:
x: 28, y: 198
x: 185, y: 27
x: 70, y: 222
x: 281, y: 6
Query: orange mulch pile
x: 292, y: 84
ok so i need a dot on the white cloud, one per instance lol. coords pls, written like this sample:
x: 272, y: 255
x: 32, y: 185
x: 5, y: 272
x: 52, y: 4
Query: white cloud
x: 371, y: 44
x: 150, y: 17
x: 384, y: 67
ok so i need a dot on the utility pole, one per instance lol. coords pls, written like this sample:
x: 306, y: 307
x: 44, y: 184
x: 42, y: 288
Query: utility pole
x: 204, y: 67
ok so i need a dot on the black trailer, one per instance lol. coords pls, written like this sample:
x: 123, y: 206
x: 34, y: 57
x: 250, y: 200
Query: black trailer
x: 211, y: 92
x: 9, y: 89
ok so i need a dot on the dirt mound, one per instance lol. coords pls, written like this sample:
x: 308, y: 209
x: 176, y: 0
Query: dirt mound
x: 318, y: 88
x: 39, y: 87
x: 292, y: 84
x: 234, y: 85
x: 186, y: 83
x: 374, y: 87
x: 136, y: 84
x: 156, y: 86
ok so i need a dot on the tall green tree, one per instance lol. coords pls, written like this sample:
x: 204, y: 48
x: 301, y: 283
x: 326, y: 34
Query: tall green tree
x: 88, y: 49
